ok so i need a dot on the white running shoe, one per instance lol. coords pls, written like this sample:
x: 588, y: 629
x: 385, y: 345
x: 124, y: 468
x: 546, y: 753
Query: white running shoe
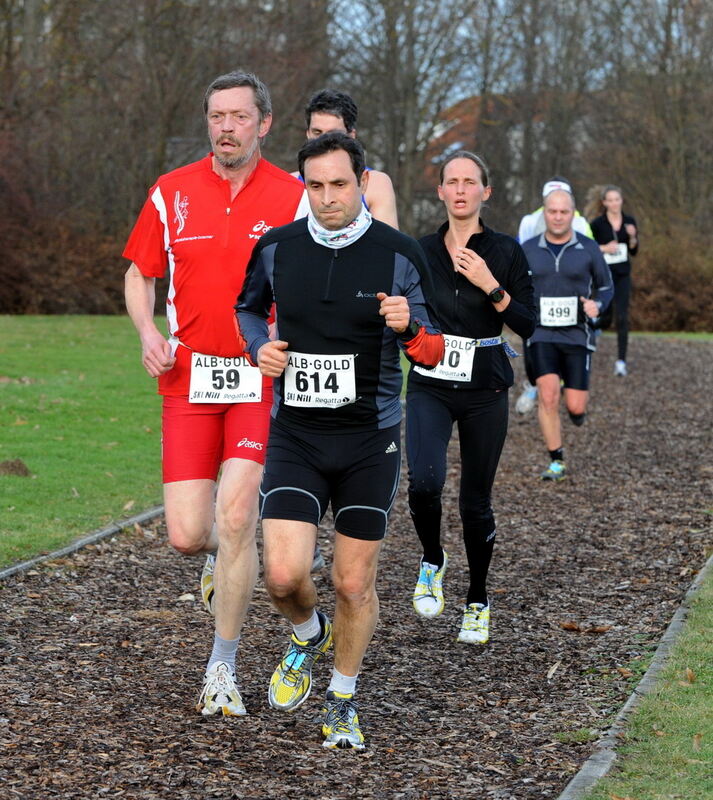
x: 428, y: 595
x: 207, y: 588
x: 527, y: 400
x: 620, y: 368
x: 476, y: 621
x: 220, y: 693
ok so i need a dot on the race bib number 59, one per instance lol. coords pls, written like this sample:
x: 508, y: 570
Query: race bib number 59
x: 224, y: 380
x: 556, y: 312
x: 319, y: 381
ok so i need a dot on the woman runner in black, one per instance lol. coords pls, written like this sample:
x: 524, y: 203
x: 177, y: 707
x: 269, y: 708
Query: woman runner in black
x: 617, y: 236
x: 481, y: 282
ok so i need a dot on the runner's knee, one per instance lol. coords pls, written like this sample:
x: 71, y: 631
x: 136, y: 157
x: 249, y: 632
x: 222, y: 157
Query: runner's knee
x: 187, y: 540
x: 354, y: 588
x: 476, y: 513
x: 423, y: 501
x: 282, y: 580
x: 236, y: 520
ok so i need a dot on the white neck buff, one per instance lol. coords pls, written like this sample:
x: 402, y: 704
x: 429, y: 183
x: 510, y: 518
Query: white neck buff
x: 343, y: 237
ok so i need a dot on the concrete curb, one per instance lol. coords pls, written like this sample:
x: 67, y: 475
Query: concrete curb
x: 114, y: 528
x: 604, y: 755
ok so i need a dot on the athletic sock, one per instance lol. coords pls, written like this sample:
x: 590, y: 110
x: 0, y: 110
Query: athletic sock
x: 426, y: 515
x: 224, y: 650
x: 311, y: 629
x: 558, y: 454
x: 577, y: 419
x: 344, y: 684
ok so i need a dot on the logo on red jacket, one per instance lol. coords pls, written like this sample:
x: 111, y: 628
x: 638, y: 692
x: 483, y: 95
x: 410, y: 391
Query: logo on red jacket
x: 180, y: 206
x: 259, y: 228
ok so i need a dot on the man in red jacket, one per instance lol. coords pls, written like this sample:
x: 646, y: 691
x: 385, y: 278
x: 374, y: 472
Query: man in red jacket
x: 200, y: 222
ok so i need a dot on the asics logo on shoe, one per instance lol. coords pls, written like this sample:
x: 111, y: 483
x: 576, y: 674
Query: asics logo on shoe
x: 245, y: 442
x: 391, y: 448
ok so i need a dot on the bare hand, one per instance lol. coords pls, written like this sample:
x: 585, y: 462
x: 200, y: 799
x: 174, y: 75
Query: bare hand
x: 470, y: 264
x: 156, y: 354
x: 591, y: 309
x: 272, y: 358
x: 395, y: 310
x: 610, y: 247
x: 631, y: 230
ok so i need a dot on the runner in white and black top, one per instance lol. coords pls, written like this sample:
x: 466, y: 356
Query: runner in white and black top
x: 347, y: 292
x: 481, y: 283
x: 617, y: 235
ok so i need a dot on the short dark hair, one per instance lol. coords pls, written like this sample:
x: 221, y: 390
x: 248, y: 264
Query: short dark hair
x: 339, y: 104
x: 477, y: 160
x: 232, y: 80
x: 328, y: 143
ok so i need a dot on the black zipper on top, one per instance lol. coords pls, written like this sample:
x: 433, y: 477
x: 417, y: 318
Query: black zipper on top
x: 327, y: 288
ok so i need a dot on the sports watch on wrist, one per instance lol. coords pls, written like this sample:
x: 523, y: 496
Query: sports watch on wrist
x: 497, y: 294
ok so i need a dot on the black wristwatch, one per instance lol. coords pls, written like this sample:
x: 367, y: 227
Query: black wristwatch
x: 497, y: 294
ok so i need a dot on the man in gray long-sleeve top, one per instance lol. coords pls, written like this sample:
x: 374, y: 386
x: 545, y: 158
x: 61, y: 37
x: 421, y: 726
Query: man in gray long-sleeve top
x: 568, y: 271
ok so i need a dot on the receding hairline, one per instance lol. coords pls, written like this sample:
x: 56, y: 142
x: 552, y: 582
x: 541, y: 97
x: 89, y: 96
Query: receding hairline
x: 230, y: 89
x: 558, y: 192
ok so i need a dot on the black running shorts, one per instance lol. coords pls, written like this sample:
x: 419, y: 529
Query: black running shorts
x: 571, y: 362
x: 357, y: 472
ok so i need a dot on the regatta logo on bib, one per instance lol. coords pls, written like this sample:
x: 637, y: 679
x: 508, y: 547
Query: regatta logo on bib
x: 180, y: 206
x: 259, y: 228
x: 245, y: 442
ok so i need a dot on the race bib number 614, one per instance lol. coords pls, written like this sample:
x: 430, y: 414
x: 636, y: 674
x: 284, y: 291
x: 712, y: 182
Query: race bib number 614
x: 319, y: 381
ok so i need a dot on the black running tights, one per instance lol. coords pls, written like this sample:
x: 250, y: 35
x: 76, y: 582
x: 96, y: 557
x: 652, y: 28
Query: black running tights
x: 482, y: 418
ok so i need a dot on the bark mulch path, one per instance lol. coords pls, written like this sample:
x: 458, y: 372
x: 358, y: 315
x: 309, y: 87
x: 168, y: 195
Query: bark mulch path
x: 101, y: 660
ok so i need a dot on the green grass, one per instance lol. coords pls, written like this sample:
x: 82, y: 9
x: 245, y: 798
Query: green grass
x: 78, y: 409
x: 669, y: 748
x: 691, y: 337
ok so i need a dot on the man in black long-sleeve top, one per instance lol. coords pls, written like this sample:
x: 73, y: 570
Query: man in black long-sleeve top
x: 348, y: 293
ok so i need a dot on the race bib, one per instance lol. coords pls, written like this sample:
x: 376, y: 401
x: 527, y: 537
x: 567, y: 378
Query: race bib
x: 224, y: 380
x: 557, y: 312
x: 316, y: 381
x: 621, y: 255
x: 457, y: 361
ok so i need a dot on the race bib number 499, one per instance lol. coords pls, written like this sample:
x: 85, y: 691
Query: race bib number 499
x: 319, y: 381
x: 556, y: 312
x: 224, y: 380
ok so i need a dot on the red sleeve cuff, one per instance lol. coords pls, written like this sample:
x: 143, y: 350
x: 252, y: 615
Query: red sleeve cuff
x: 425, y: 348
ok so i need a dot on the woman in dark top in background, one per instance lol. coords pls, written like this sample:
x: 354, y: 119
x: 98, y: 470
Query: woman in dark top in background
x: 617, y: 236
x: 482, y: 282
